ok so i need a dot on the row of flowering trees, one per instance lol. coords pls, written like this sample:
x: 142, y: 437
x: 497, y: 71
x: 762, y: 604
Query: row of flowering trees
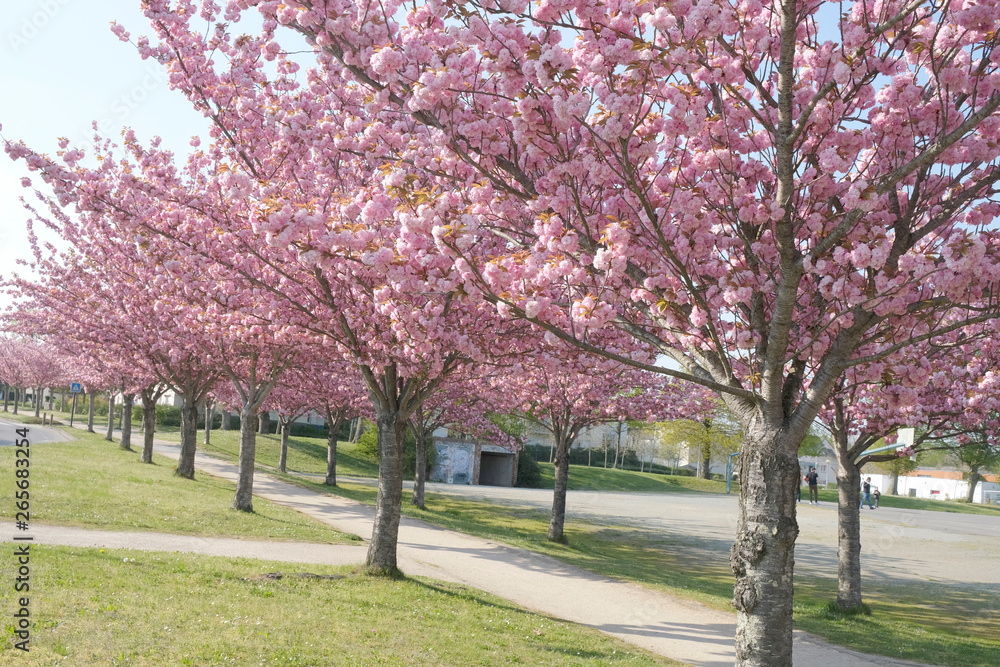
x: 784, y: 212
x: 27, y: 364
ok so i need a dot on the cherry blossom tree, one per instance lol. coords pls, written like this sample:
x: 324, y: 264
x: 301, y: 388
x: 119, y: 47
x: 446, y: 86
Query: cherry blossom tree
x: 752, y: 196
x: 347, y: 267
x: 567, y: 396
x: 949, y: 396
x: 464, y: 404
x: 117, y: 300
x: 335, y: 389
x: 13, y: 367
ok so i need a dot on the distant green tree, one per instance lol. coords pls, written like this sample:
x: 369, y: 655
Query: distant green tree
x: 714, y: 436
x: 975, y: 458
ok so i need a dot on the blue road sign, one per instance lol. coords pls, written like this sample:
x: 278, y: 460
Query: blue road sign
x: 75, y: 388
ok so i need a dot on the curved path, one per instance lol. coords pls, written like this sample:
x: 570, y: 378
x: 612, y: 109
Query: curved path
x: 659, y: 622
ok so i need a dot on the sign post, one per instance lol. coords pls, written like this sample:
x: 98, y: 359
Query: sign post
x: 74, y: 389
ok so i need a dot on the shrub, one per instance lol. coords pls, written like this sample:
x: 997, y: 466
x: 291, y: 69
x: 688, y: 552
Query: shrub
x: 168, y: 415
x: 307, y: 431
x: 528, y: 474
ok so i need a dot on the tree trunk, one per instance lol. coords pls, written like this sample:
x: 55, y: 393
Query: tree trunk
x: 420, y: 468
x: 227, y: 421
x: 381, y: 558
x: 6, y: 395
x: 248, y: 454
x: 90, y: 412
x: 189, y: 438
x: 706, y: 461
x: 974, y: 478
x: 762, y: 557
x: 848, y: 537
x: 286, y: 427
x: 264, y: 420
x: 148, y: 427
x: 618, y: 446
x: 333, y: 430
x: 895, y: 483
x: 111, y: 416
x: 38, y: 401
x: 209, y: 416
x: 128, y: 400
x: 17, y: 396
x: 558, y: 519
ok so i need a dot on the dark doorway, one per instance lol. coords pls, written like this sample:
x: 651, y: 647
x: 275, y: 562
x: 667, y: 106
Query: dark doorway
x: 496, y: 469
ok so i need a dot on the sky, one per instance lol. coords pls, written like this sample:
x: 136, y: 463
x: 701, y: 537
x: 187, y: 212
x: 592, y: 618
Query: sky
x: 61, y: 69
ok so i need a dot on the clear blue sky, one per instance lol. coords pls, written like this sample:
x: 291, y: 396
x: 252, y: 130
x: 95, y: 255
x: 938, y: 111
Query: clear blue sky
x: 61, y: 68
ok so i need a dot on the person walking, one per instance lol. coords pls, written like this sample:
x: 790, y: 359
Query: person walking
x: 813, y: 478
x: 866, y: 491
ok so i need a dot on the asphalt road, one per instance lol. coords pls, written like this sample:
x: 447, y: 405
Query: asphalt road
x: 35, y: 433
x: 911, y: 545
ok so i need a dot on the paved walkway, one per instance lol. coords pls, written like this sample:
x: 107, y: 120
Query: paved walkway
x: 664, y: 624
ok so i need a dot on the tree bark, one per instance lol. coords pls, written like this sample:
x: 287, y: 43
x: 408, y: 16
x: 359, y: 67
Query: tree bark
x: 17, y: 398
x: 148, y: 426
x: 895, y: 483
x: 38, y: 401
x: 189, y: 437
x: 128, y: 400
x: 286, y: 427
x: 381, y: 558
x: 227, y: 421
x: 618, y: 445
x: 333, y: 430
x: 90, y: 412
x: 248, y: 453
x: 264, y: 420
x: 848, y: 537
x: 420, y: 466
x: 6, y: 395
x: 111, y: 416
x: 561, y: 483
x: 762, y: 557
x: 974, y: 478
x: 706, y: 461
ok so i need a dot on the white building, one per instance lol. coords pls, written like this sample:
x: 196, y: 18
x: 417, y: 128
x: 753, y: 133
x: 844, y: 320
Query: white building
x: 939, y: 485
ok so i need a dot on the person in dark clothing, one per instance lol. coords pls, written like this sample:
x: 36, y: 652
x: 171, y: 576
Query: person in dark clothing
x: 866, y: 491
x: 875, y: 496
x: 813, y: 478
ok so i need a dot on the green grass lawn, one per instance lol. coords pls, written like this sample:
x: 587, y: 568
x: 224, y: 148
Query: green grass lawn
x: 304, y: 454
x: 123, y: 607
x: 92, y: 483
x: 584, y: 478
x: 928, y: 622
